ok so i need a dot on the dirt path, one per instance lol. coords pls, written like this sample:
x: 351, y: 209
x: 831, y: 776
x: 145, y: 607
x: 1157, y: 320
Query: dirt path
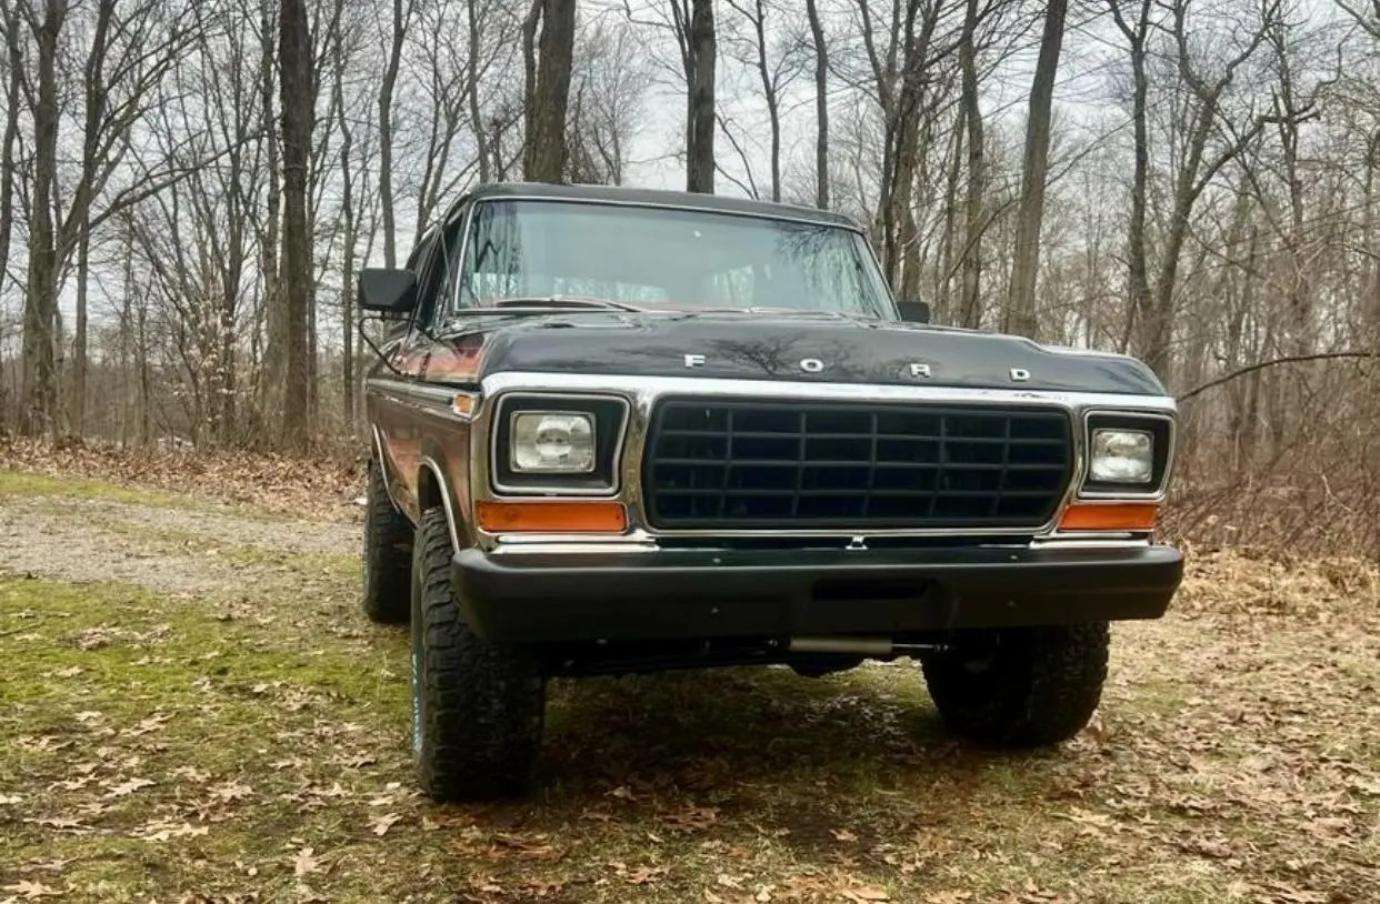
x: 192, y: 708
x: 176, y: 550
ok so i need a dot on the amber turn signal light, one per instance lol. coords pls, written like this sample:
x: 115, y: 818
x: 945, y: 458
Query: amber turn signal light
x: 553, y: 517
x: 1123, y: 516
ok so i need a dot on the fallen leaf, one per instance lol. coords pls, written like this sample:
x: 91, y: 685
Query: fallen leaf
x: 380, y: 825
x: 305, y: 862
x: 124, y: 789
x: 27, y: 889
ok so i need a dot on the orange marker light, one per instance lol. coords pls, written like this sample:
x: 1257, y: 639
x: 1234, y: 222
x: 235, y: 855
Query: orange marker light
x: 463, y: 404
x: 552, y: 517
x: 1122, y: 516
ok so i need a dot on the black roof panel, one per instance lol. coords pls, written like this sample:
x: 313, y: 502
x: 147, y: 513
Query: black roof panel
x: 647, y: 196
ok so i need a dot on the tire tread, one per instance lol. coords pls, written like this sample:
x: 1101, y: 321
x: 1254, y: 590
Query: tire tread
x: 482, y: 705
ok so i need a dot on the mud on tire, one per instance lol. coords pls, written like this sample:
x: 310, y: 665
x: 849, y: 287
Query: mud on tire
x: 1020, y: 687
x: 387, y: 554
x: 477, y: 706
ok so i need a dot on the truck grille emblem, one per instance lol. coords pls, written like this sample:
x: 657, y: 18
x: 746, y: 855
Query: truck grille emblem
x: 811, y: 365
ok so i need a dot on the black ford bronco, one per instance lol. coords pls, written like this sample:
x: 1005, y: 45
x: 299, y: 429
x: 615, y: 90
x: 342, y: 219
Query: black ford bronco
x: 621, y: 431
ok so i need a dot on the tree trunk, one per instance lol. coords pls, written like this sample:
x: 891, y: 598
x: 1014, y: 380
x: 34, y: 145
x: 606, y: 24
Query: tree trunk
x: 481, y: 138
x: 95, y: 109
x: 1034, y: 174
x: 1137, y: 257
x: 759, y: 25
x: 976, y: 189
x: 298, y: 102
x: 270, y: 389
x: 946, y: 254
x: 699, y: 139
x: 13, y: 57
x: 821, y: 106
x: 76, y: 417
x: 39, y: 402
x: 390, y: 78
x: 545, y: 151
x: 350, y: 239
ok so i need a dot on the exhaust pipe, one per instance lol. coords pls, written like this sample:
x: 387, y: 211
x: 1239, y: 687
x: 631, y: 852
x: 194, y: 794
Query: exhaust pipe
x: 859, y: 646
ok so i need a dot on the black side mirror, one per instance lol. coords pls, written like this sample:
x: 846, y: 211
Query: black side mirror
x: 387, y: 291
x: 914, y: 311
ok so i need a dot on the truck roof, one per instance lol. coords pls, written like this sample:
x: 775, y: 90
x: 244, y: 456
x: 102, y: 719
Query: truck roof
x: 653, y: 198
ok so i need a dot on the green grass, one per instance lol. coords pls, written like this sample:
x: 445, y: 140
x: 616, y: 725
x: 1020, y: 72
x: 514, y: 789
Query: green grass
x: 20, y: 483
x: 271, y: 718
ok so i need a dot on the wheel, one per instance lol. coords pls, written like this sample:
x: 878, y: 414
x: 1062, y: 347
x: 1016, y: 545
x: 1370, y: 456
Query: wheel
x: 476, y: 706
x: 387, y: 554
x: 1020, y: 687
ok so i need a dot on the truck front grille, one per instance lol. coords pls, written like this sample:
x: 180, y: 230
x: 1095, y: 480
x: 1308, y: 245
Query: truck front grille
x: 782, y: 464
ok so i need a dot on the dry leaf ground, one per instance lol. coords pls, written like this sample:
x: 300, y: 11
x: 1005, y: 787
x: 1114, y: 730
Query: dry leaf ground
x: 192, y: 708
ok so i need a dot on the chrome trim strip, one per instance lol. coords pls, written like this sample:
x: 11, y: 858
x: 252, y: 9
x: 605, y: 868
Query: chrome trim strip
x: 428, y: 395
x: 1109, y: 541
x: 383, y: 468
x: 634, y: 384
x: 519, y: 544
x: 557, y: 489
x: 642, y: 393
x: 428, y: 462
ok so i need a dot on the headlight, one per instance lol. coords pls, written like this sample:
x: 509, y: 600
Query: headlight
x: 1122, y: 456
x: 553, y: 442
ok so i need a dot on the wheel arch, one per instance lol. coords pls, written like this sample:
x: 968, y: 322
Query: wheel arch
x: 433, y: 490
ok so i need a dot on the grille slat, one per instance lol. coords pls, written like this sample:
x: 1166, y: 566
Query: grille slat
x: 800, y: 464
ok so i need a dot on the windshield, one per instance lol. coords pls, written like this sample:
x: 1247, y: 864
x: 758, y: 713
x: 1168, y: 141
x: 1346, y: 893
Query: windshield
x: 664, y: 259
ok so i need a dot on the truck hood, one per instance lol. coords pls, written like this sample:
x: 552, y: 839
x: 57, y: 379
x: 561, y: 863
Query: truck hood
x: 756, y: 346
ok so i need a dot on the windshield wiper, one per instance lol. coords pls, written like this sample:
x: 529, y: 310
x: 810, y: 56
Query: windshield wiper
x: 785, y: 312
x: 563, y: 301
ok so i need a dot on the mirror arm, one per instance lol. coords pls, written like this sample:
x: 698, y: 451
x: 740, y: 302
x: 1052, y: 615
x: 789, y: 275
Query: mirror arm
x: 359, y: 324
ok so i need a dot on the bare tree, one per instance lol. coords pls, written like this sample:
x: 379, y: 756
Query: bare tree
x: 1137, y: 34
x: 699, y: 50
x: 1034, y: 173
x: 14, y: 63
x: 821, y: 48
x: 612, y: 75
x: 544, y: 154
x: 400, y: 22
x: 774, y: 74
x: 973, y: 216
x: 39, y: 403
x: 1200, y: 162
x: 298, y: 103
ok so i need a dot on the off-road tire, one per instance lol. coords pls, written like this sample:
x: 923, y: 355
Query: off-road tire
x: 1020, y: 687
x: 477, y: 706
x: 387, y: 554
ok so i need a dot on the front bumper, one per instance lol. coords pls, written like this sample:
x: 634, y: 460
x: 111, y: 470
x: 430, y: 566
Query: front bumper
x: 535, y: 597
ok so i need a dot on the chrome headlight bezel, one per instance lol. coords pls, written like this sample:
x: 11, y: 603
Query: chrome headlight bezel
x: 1159, y: 429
